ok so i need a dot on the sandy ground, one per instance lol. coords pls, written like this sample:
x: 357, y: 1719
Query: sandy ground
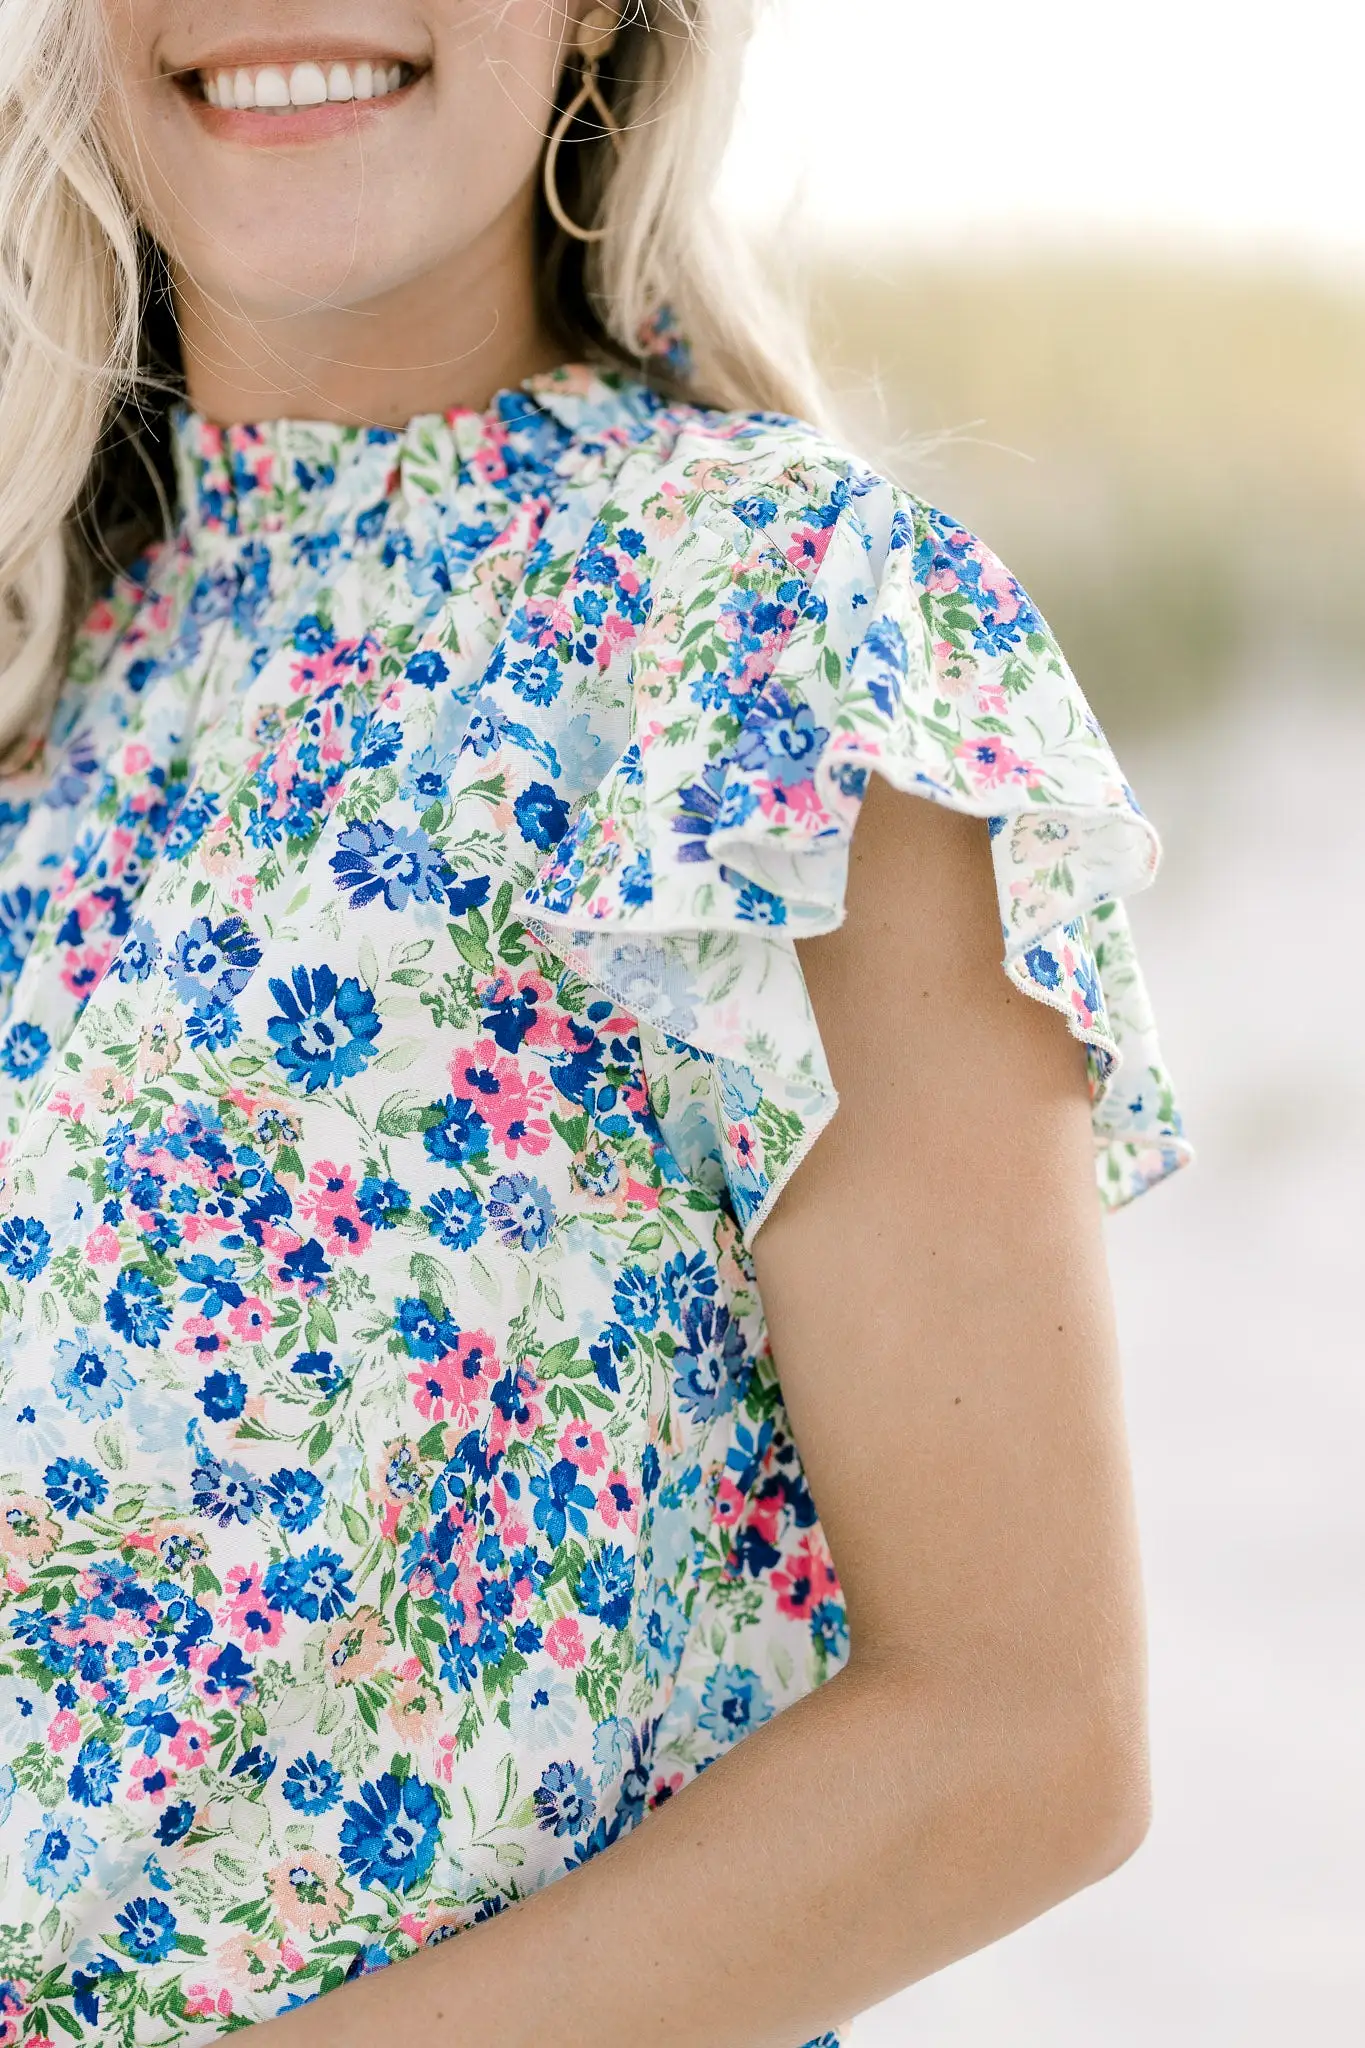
x: 1242, y: 1922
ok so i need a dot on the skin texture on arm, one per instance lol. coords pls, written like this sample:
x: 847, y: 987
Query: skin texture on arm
x: 935, y: 1284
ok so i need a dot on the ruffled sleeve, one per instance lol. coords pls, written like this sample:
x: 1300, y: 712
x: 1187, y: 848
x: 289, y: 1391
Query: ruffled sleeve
x: 783, y: 663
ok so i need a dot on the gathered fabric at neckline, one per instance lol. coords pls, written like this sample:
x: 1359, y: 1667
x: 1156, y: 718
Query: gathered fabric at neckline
x: 290, y: 476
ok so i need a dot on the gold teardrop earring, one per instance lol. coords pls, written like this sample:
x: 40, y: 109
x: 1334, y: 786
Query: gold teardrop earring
x: 596, y: 38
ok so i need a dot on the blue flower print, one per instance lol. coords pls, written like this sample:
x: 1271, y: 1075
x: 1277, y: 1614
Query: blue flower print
x: 455, y: 1217
x: 175, y: 1823
x: 295, y: 1498
x: 521, y: 1211
x: 25, y: 1247
x: 395, y: 863
x: 427, y: 778
x: 223, y: 1396
x: 686, y: 1280
x: 455, y: 1132
x: 24, y: 1051
x: 316, y: 1586
x: 427, y: 668
x: 21, y: 912
x: 382, y: 1202
x: 90, y: 1376
x: 888, y: 660
x: 215, y: 1029
x: 57, y: 1856
x: 781, y: 739
x: 710, y: 1368
x: 137, y: 1310
x: 211, y: 963
x: 389, y: 1834
x: 636, y: 1299
x: 224, y: 1492
x: 1043, y: 967
x: 733, y: 1701
x: 311, y: 1786
x: 564, y: 1799
x: 147, y: 1930
x: 94, y: 1774
x: 542, y: 815
x: 326, y: 1030
x: 606, y: 1586
x: 73, y: 1486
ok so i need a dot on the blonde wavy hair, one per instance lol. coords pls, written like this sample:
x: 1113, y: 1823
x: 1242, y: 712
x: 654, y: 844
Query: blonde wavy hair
x: 89, y: 358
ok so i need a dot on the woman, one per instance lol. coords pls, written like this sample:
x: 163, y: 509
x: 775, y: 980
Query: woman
x: 434, y: 936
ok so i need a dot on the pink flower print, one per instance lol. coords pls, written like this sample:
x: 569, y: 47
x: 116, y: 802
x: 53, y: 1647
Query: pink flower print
x: 331, y: 1202
x: 150, y: 1779
x: 564, y: 1642
x: 204, y: 2003
x: 543, y: 621
x: 618, y: 1503
x: 455, y: 1387
x: 666, y: 1786
x: 942, y: 582
x: 802, y: 1581
x: 135, y: 759
x: 524, y: 1006
x: 200, y: 1340
x: 245, y: 1612
x: 810, y: 545
x: 996, y: 579
x: 251, y: 1320
x: 102, y: 1246
x: 990, y: 764
x: 85, y: 969
x: 190, y: 1745
x: 729, y: 1504
x: 63, y: 1729
x: 511, y: 1102
x: 586, y: 1446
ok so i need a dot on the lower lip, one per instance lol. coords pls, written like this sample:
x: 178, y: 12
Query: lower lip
x: 298, y: 124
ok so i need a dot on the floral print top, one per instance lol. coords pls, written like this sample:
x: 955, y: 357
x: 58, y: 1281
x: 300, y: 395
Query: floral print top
x: 402, y: 1040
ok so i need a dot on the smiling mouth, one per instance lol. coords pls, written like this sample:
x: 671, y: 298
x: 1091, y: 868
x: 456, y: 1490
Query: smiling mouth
x: 292, y: 89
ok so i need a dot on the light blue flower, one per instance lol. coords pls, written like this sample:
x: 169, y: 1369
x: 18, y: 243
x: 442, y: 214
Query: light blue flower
x: 57, y: 1856
x: 91, y: 1376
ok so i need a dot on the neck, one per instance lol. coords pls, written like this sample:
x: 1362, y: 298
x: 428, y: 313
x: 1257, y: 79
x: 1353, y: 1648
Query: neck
x: 450, y: 338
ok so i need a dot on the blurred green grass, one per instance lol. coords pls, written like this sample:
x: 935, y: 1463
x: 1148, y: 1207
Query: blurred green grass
x: 1170, y: 457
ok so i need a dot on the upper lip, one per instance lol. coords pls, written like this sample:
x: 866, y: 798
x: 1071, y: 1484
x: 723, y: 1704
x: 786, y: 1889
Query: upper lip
x: 257, y: 52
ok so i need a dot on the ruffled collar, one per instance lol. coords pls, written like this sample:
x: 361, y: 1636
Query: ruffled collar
x: 296, y: 475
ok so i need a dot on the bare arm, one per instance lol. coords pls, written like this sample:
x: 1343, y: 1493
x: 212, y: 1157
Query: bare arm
x: 935, y: 1285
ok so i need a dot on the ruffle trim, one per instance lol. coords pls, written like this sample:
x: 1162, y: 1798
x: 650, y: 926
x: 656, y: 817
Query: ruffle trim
x: 719, y: 839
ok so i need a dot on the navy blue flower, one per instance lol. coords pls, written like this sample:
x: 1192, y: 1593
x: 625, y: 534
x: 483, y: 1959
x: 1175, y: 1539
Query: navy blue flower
x: 137, y: 1310
x: 175, y: 1823
x: 256, y: 1765
x: 396, y: 863
x: 564, y: 1799
x: 325, y: 1031
x: 24, y: 1051
x: 211, y: 963
x: 606, y: 1586
x: 427, y: 668
x: 389, y: 1834
x: 425, y: 1334
x: 310, y: 1785
x: 455, y: 1217
x: 543, y: 815
x: 94, y: 1774
x: 223, y: 1395
x: 20, y: 915
x: 455, y: 1133
x: 72, y: 1486
x: 296, y: 1498
x: 147, y: 1930
x: 224, y: 1492
x: 25, y: 1247
x: 316, y: 1586
x: 521, y: 1211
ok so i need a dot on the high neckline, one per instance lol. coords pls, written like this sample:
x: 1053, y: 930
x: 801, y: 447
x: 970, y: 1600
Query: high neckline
x: 297, y: 475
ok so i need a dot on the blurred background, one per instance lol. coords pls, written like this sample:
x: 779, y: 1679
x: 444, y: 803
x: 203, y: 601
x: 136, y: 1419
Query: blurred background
x: 1093, y: 279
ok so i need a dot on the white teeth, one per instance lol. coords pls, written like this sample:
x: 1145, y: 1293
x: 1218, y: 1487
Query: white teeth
x: 272, y: 88
x: 305, y: 85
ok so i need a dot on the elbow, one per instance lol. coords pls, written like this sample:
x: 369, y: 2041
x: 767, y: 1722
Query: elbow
x: 1093, y: 1792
